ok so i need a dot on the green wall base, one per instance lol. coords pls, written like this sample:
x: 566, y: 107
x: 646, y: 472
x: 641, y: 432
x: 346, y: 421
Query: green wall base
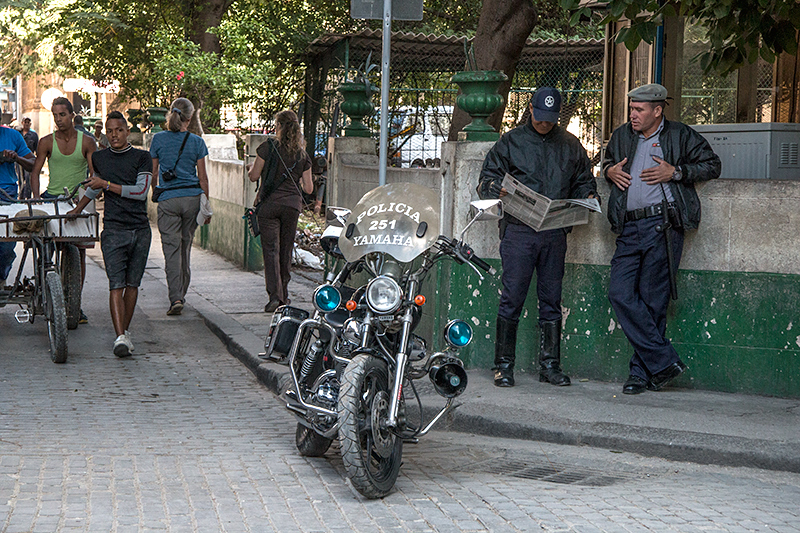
x: 738, y: 332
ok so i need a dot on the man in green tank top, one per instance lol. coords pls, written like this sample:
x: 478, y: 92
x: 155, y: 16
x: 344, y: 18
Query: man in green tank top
x: 68, y: 153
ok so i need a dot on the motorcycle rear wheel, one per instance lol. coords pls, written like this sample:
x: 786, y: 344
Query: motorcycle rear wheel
x: 310, y: 443
x: 371, y: 453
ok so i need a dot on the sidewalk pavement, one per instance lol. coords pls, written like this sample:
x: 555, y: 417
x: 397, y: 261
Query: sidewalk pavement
x: 676, y: 424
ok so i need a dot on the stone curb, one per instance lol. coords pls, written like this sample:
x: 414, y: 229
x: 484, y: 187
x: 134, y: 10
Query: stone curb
x: 655, y: 442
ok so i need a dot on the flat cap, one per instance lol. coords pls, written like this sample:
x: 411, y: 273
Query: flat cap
x: 652, y: 92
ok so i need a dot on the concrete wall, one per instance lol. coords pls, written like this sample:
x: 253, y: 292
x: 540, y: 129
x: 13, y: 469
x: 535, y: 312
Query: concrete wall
x: 735, y: 324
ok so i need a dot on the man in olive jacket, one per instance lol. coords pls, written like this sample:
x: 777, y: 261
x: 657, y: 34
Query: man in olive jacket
x: 551, y: 161
x: 651, y: 162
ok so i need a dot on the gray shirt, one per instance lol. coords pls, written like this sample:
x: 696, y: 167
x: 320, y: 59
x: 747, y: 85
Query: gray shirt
x: 640, y: 194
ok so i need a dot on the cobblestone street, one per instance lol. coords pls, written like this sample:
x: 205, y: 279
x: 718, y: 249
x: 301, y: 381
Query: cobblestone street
x: 181, y: 437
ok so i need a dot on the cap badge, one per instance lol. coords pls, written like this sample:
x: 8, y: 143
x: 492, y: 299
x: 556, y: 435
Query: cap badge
x: 549, y: 101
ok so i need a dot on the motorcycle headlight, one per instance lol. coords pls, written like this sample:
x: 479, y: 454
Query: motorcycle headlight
x: 383, y: 295
x: 457, y: 333
x: 327, y: 298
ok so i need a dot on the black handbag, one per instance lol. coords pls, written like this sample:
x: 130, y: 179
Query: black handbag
x: 251, y: 216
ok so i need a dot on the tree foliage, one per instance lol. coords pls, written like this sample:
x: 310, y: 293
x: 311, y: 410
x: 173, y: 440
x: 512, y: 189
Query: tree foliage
x: 738, y: 31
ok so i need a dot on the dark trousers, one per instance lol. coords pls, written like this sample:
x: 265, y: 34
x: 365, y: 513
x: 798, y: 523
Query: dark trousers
x: 522, y: 251
x: 278, y: 225
x: 7, y: 254
x: 639, y: 293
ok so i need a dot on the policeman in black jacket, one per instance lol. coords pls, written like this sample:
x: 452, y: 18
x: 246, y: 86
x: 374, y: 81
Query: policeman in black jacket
x: 552, y: 162
x: 651, y: 162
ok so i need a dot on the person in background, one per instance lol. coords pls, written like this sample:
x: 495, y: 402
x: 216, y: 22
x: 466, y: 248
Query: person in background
x: 32, y: 140
x: 78, y: 123
x: 179, y: 168
x: 551, y: 161
x: 651, y: 163
x: 68, y: 155
x: 284, y: 167
x: 102, y: 140
x: 124, y: 173
x: 13, y: 151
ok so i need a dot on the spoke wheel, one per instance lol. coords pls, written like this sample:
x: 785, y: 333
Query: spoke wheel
x: 56, y: 317
x: 71, y: 280
x: 371, y: 453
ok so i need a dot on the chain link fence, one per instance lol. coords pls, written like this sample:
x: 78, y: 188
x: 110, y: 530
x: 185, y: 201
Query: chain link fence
x: 422, y: 99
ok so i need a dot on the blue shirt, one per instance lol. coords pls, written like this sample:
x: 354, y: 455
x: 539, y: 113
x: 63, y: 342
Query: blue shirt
x: 165, y: 147
x: 11, y: 139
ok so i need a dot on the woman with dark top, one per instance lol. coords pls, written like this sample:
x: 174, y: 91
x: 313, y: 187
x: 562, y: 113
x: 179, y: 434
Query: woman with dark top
x: 285, y: 167
x: 183, y: 179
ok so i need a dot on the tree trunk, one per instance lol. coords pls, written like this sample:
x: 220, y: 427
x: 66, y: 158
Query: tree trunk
x: 206, y: 14
x: 503, y: 28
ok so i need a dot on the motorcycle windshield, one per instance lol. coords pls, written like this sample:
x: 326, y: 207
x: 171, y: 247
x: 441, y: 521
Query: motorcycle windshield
x: 400, y: 219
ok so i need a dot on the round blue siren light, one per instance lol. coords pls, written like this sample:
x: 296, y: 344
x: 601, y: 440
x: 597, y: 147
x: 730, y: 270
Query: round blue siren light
x: 458, y: 333
x: 327, y: 298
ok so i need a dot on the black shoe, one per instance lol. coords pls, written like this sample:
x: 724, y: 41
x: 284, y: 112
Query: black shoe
x: 661, y: 379
x: 83, y: 319
x: 504, y: 377
x: 635, y: 385
x: 272, y: 306
x: 554, y: 376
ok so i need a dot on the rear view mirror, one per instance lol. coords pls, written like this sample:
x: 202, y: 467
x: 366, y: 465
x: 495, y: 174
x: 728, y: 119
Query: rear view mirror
x: 336, y: 216
x: 483, y: 210
x: 486, y: 209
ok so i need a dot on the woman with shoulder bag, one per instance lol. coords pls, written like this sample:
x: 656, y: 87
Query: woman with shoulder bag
x: 179, y: 167
x: 285, y: 167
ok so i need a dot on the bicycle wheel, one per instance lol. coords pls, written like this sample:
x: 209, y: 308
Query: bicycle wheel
x: 56, y: 317
x: 71, y: 280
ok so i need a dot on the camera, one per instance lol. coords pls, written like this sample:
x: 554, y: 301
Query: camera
x: 168, y: 175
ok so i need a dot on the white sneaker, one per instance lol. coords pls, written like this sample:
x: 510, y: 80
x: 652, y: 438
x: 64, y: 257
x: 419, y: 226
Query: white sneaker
x: 130, y: 340
x: 122, y: 346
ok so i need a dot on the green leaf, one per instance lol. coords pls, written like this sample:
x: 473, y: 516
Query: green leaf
x: 787, y: 37
x: 767, y: 55
x: 617, y: 8
x: 569, y: 4
x: 632, y: 40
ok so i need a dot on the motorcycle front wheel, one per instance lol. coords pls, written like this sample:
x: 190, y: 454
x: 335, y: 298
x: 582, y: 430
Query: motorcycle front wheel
x: 371, y: 453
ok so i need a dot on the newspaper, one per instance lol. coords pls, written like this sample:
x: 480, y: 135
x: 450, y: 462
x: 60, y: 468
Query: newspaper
x: 540, y: 212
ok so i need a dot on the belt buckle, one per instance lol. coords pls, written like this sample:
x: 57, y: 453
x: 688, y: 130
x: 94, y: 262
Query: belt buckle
x: 640, y: 213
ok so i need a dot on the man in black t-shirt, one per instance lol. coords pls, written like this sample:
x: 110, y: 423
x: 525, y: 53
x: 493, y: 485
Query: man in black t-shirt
x: 124, y: 173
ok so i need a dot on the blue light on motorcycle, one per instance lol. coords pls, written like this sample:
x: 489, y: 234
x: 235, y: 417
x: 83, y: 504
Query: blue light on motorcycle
x: 457, y: 333
x: 327, y: 298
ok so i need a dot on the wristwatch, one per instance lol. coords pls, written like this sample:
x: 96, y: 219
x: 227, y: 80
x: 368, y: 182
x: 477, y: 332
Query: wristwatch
x: 677, y: 174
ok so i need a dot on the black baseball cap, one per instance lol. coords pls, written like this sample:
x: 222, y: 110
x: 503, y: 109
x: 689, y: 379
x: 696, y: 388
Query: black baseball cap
x: 546, y: 103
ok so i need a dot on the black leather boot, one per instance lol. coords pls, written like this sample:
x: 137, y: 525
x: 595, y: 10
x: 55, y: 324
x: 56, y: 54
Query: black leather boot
x: 550, y: 354
x: 505, y: 352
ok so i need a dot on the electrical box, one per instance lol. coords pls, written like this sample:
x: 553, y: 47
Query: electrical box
x: 767, y: 150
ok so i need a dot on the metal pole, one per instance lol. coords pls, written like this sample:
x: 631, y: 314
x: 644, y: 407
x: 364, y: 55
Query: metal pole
x: 387, y: 48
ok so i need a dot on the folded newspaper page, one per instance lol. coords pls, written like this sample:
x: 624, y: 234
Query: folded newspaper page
x: 540, y: 212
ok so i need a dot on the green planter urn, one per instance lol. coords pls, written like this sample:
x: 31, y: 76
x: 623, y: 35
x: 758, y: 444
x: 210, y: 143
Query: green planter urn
x: 479, y: 98
x: 357, y: 104
x: 157, y: 116
x: 135, y: 118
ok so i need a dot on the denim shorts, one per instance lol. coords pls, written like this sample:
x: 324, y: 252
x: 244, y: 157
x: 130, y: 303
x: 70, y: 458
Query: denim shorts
x: 125, y: 255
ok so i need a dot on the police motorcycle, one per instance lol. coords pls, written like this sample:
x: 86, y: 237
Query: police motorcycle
x: 354, y: 361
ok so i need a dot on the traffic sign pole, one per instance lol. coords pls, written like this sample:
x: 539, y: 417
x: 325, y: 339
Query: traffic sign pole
x: 385, y: 57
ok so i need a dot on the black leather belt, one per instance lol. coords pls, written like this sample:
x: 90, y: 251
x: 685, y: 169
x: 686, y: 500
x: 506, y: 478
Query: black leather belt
x: 645, y: 212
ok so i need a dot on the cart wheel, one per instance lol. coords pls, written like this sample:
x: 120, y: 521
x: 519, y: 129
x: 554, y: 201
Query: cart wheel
x: 71, y: 280
x: 56, y: 317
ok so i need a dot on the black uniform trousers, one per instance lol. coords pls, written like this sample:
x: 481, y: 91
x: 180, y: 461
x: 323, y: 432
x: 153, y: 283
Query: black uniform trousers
x: 522, y: 251
x: 639, y: 293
